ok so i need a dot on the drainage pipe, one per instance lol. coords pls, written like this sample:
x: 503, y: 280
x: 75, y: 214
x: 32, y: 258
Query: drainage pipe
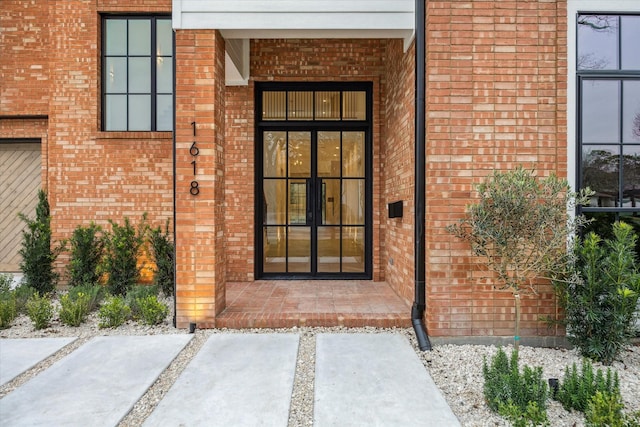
x: 419, y: 304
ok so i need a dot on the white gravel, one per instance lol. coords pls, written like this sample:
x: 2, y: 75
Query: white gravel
x: 456, y: 369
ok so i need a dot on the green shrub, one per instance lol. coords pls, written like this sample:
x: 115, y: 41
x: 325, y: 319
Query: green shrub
x: 22, y: 294
x: 38, y: 258
x: 8, y: 311
x: 152, y: 311
x: 40, y: 310
x: 94, y: 293
x: 577, y: 389
x: 136, y: 293
x: 163, y: 255
x: 600, y: 297
x: 86, y: 247
x: 114, y: 312
x: 605, y: 409
x: 74, y: 309
x: 5, y: 282
x: 122, y: 247
x: 519, y: 396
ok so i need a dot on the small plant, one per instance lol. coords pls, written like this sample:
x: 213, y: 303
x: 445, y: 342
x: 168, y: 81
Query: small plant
x: 6, y: 281
x: 22, y: 294
x: 162, y: 252
x: 86, y: 248
x: 520, y: 397
x: 577, y: 389
x: 94, y: 294
x: 152, y: 311
x: 40, y: 310
x: 8, y: 311
x: 123, y: 246
x: 74, y: 309
x: 136, y: 293
x: 114, y: 312
x: 605, y: 409
x: 600, y: 296
x: 37, y: 255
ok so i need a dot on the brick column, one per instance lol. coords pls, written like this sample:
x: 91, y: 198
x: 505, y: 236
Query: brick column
x: 200, y: 255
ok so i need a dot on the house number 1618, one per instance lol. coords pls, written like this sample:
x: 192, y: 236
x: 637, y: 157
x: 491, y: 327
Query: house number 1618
x: 194, y: 151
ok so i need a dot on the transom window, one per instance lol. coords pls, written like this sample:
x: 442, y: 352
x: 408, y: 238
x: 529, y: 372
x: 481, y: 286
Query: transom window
x: 301, y: 105
x: 608, y: 70
x: 137, y: 73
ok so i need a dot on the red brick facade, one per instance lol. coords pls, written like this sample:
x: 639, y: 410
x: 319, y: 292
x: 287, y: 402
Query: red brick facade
x: 496, y: 98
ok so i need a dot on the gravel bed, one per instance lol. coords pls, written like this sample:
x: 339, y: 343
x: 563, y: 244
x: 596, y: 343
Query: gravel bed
x: 456, y: 369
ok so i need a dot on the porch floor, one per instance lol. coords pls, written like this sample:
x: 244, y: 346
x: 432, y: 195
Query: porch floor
x: 288, y: 303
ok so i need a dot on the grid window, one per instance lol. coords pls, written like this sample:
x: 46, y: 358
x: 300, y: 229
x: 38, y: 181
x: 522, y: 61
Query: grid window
x: 137, y: 74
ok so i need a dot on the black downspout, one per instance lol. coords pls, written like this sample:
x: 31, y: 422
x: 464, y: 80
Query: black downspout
x: 419, y: 303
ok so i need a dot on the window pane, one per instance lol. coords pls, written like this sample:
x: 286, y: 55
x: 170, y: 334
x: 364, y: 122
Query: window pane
x: 275, y: 196
x: 353, y: 154
x: 329, y: 249
x: 164, y: 37
x: 139, y: 37
x: 328, y: 154
x: 139, y: 112
x: 597, y: 42
x: 275, y: 248
x: 275, y: 154
x: 353, y: 249
x: 631, y: 111
x: 354, y: 106
x: 330, y: 202
x: 630, y: 34
x: 300, y: 154
x: 600, y: 167
x: 273, y: 105
x: 299, y: 250
x: 600, y: 111
x: 116, y: 33
x: 116, y: 112
x: 139, y: 75
x: 353, y: 201
x: 327, y: 105
x: 116, y: 78
x: 164, y: 112
x: 298, y: 202
x: 164, y: 75
x: 631, y: 176
x: 300, y: 106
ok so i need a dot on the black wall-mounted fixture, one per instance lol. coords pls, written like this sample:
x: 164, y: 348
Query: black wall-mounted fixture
x: 395, y: 209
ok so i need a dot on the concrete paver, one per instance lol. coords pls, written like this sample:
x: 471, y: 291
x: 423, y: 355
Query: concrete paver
x: 234, y: 380
x: 374, y: 380
x: 96, y: 385
x: 18, y: 355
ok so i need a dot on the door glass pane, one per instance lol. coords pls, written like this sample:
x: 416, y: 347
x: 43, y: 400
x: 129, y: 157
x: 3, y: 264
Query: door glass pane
x: 353, y: 249
x: 329, y: 249
x: 164, y: 112
x: 631, y: 111
x: 275, y: 201
x: 116, y: 114
x: 630, y: 35
x: 298, y: 202
x: 164, y: 75
x: 631, y: 176
x: 354, y: 106
x: 140, y: 112
x: 274, y: 249
x: 600, y: 167
x: 164, y: 37
x: 139, y: 75
x: 600, y: 111
x: 300, y: 154
x: 274, y: 154
x: 597, y: 42
x: 273, y: 105
x: 139, y: 37
x: 300, y: 106
x: 116, y: 79
x: 330, y: 198
x: 116, y: 31
x: 353, y: 201
x: 328, y: 154
x: 353, y: 154
x: 299, y: 250
x: 327, y: 105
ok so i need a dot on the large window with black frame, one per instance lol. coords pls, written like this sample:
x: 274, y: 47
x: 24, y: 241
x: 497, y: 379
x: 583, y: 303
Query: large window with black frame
x: 608, y: 73
x: 137, y: 73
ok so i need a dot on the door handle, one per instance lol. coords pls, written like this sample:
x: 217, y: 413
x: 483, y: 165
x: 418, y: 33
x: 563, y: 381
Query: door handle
x: 309, y: 200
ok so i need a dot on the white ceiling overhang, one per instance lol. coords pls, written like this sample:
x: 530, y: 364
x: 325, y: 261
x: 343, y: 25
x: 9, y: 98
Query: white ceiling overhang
x: 241, y: 20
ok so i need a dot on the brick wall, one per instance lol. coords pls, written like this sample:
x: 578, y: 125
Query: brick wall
x: 496, y: 97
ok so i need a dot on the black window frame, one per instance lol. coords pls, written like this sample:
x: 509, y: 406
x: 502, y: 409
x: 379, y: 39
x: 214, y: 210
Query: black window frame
x: 153, y: 81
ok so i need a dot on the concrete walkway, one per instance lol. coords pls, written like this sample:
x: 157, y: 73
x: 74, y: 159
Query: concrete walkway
x: 234, y: 380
